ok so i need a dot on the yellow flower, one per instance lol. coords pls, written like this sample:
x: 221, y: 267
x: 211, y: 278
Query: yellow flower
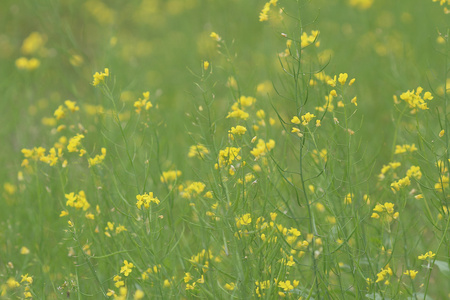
x: 145, y: 200
x: 262, y: 148
x: 375, y: 216
x: 71, y: 105
x: 414, y: 99
x: 205, y: 65
x: 332, y: 82
x: 27, y: 64
x: 192, y: 190
x: 238, y: 114
x: 306, y: 40
x: 24, y: 250
x: 33, y: 43
x: 100, y: 77
x: 342, y: 78
x: 126, y: 268
x: 198, y: 150
x: 12, y: 283
x: 246, y: 101
x: 244, y: 220
x: 215, y: 36
x: 139, y: 294
x: 59, y: 112
x: 74, y: 142
x: 26, y: 278
x: 295, y: 120
x: 166, y: 283
x: 306, y: 118
x: 170, y: 176
x: 411, y: 273
x: 429, y: 254
x: 348, y: 198
x: 77, y: 201
x: 98, y: 159
x: 143, y: 103
x: 228, y: 155
x: 238, y: 130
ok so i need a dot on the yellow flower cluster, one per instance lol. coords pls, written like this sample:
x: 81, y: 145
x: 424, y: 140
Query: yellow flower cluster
x: 391, y: 166
x: 443, y: 183
x: 74, y: 142
x: 33, y: 43
x: 60, y: 112
x: 322, y: 155
x: 443, y: 3
x: 307, y: 40
x: 387, y: 212
x: 12, y: 283
x: 169, y: 176
x: 411, y: 273
x: 198, y: 150
x: 215, y: 36
x: 342, y: 79
x: 192, y: 190
x: 143, y: 103
x: 427, y: 255
x: 399, y: 149
x: 361, y: 4
x: 77, y: 201
x: 119, y: 283
x: 238, y: 108
x: 227, y: 156
x: 348, y: 198
x: 127, y: 268
x: 287, y: 286
x: 262, y: 148
x: 401, y: 183
x: 243, y: 220
x: 332, y: 81
x: 35, y: 154
x: 263, y: 15
x: 24, y: 63
x: 249, y: 177
x: 261, y: 286
x: 413, y: 172
x: 191, y: 285
x: 238, y: 130
x: 244, y: 101
x: 110, y: 227
x: 145, y: 200
x: 52, y: 157
x: 153, y: 270
x: 200, y: 262
x: 415, y: 100
x: 383, y: 275
x: 100, y: 77
x: 98, y: 159
x: 306, y: 118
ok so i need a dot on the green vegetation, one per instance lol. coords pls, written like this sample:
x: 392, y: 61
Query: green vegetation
x: 224, y: 149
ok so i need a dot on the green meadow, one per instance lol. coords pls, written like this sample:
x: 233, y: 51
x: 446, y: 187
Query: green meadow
x: 201, y: 149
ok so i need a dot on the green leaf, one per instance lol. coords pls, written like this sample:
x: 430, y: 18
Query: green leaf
x: 443, y: 267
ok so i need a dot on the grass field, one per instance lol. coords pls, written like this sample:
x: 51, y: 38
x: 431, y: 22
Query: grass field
x: 201, y: 149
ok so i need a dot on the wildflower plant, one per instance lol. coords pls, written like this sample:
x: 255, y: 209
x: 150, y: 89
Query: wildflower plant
x: 288, y: 154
